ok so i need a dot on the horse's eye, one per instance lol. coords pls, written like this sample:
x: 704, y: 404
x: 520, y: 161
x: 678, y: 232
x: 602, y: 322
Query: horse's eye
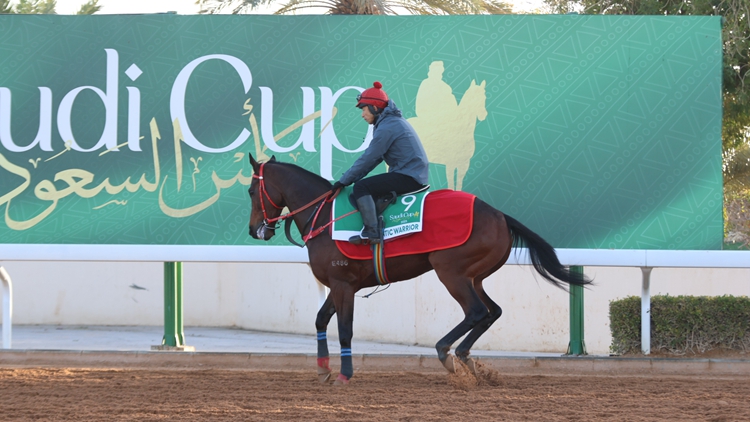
x: 250, y: 192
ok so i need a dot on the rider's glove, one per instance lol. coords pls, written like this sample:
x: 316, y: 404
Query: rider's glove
x: 336, y: 187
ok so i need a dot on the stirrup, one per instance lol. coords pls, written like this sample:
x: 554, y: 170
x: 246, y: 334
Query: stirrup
x: 359, y: 240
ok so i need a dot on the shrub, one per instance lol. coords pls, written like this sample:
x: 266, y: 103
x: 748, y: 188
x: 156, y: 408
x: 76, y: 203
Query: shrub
x: 682, y: 324
x: 737, y: 219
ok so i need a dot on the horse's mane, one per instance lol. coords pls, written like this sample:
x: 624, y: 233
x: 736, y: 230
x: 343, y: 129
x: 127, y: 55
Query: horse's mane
x: 317, y: 179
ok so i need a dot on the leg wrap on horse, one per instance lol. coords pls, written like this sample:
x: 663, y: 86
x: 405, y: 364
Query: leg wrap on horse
x: 324, y: 362
x: 347, y: 369
x: 322, y: 345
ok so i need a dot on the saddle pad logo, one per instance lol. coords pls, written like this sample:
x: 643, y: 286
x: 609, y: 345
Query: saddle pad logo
x: 401, y: 218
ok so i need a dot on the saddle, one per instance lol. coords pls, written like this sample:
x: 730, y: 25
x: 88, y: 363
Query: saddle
x: 384, y: 201
x: 450, y: 220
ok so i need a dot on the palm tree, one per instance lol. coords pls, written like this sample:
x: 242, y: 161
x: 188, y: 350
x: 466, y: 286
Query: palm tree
x: 364, y: 7
x: 737, y: 196
x: 44, y: 7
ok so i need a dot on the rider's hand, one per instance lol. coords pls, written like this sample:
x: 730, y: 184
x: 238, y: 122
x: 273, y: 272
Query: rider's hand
x: 336, y: 187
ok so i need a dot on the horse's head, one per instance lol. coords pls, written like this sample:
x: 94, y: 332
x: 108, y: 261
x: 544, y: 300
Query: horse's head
x: 265, y: 200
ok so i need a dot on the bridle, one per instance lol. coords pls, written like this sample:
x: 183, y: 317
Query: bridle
x: 268, y: 223
x: 273, y: 223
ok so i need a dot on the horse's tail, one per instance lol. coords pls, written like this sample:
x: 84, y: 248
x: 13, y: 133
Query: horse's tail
x: 543, y: 256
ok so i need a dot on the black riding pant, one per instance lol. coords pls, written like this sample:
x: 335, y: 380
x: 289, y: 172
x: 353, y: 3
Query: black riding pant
x: 381, y: 184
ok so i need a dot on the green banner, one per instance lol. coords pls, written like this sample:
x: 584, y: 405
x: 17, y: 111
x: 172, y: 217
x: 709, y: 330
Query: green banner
x: 595, y: 131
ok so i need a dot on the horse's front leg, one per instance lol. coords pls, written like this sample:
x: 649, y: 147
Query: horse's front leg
x: 321, y: 326
x: 343, y: 300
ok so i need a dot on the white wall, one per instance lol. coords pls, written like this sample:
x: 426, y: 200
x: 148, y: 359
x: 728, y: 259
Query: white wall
x: 284, y: 298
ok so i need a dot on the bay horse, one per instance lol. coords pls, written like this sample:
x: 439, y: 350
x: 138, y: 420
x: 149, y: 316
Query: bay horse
x: 461, y: 269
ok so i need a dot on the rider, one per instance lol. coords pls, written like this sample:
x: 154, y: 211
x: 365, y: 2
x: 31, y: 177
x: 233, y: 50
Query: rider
x: 396, y: 142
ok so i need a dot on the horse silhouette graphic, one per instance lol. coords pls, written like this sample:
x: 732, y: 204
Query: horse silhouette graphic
x: 446, y: 127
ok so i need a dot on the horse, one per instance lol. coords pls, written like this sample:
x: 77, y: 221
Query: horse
x: 449, y: 139
x: 461, y: 269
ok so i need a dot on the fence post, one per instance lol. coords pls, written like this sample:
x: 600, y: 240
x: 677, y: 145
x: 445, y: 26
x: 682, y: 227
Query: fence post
x: 174, y: 339
x: 646, y: 311
x: 7, y: 287
x: 577, y: 345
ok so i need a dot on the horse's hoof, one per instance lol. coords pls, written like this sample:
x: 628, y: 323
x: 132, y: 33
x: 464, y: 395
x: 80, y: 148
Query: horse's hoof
x: 450, y: 364
x: 471, y: 364
x: 341, y: 380
x: 324, y: 376
x: 324, y: 371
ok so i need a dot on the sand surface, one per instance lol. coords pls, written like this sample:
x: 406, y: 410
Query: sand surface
x: 208, y: 395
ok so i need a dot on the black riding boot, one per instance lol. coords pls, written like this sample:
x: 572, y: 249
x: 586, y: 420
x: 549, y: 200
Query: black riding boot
x: 370, y: 234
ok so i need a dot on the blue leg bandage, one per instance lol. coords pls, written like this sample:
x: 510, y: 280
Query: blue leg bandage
x: 322, y: 344
x: 347, y: 369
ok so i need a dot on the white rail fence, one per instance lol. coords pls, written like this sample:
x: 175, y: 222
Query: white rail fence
x: 644, y: 259
x: 7, y: 306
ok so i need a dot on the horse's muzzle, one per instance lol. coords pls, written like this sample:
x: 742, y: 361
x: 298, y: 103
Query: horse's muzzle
x: 264, y: 232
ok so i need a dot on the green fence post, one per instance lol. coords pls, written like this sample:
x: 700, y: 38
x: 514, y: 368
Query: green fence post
x: 577, y: 345
x: 178, y: 292
x: 173, y: 339
x: 170, y: 305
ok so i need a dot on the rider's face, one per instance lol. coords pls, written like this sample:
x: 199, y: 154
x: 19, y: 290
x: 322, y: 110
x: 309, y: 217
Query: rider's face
x: 369, y: 117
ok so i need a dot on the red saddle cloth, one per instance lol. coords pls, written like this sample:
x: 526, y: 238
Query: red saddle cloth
x: 448, y: 219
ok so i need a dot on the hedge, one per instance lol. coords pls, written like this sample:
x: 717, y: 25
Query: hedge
x: 682, y: 324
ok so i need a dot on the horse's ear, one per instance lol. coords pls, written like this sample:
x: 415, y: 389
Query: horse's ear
x: 253, y: 162
x: 473, y: 82
x: 483, y: 83
x: 273, y: 158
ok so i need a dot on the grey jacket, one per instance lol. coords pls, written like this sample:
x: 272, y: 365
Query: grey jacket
x: 396, y: 142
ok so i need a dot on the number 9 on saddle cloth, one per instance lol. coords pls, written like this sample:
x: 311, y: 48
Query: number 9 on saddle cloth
x: 397, y: 215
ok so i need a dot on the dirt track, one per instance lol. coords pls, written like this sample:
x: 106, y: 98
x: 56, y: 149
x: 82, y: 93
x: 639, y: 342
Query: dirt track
x: 116, y: 394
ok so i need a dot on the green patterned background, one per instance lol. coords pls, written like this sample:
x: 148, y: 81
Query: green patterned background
x: 601, y: 131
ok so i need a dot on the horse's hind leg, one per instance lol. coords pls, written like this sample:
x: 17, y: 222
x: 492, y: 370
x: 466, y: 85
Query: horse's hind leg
x: 460, y: 287
x: 321, y: 325
x: 463, y: 349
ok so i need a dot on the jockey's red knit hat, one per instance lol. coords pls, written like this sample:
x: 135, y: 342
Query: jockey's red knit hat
x: 373, y: 96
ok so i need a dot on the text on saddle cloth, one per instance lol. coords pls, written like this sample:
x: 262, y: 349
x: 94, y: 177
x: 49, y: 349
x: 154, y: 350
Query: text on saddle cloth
x: 447, y: 223
x: 403, y: 217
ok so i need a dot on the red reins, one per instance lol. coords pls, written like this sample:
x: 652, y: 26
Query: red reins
x: 321, y: 200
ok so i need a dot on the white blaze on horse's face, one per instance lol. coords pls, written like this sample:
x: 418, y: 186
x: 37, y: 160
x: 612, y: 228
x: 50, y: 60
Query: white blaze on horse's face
x: 262, y: 232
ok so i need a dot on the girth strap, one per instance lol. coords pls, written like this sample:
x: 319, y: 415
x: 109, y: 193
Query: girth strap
x: 378, y: 256
x: 378, y: 261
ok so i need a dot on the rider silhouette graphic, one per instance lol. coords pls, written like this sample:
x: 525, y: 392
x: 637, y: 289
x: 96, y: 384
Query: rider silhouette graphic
x: 435, y: 99
x: 445, y: 127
